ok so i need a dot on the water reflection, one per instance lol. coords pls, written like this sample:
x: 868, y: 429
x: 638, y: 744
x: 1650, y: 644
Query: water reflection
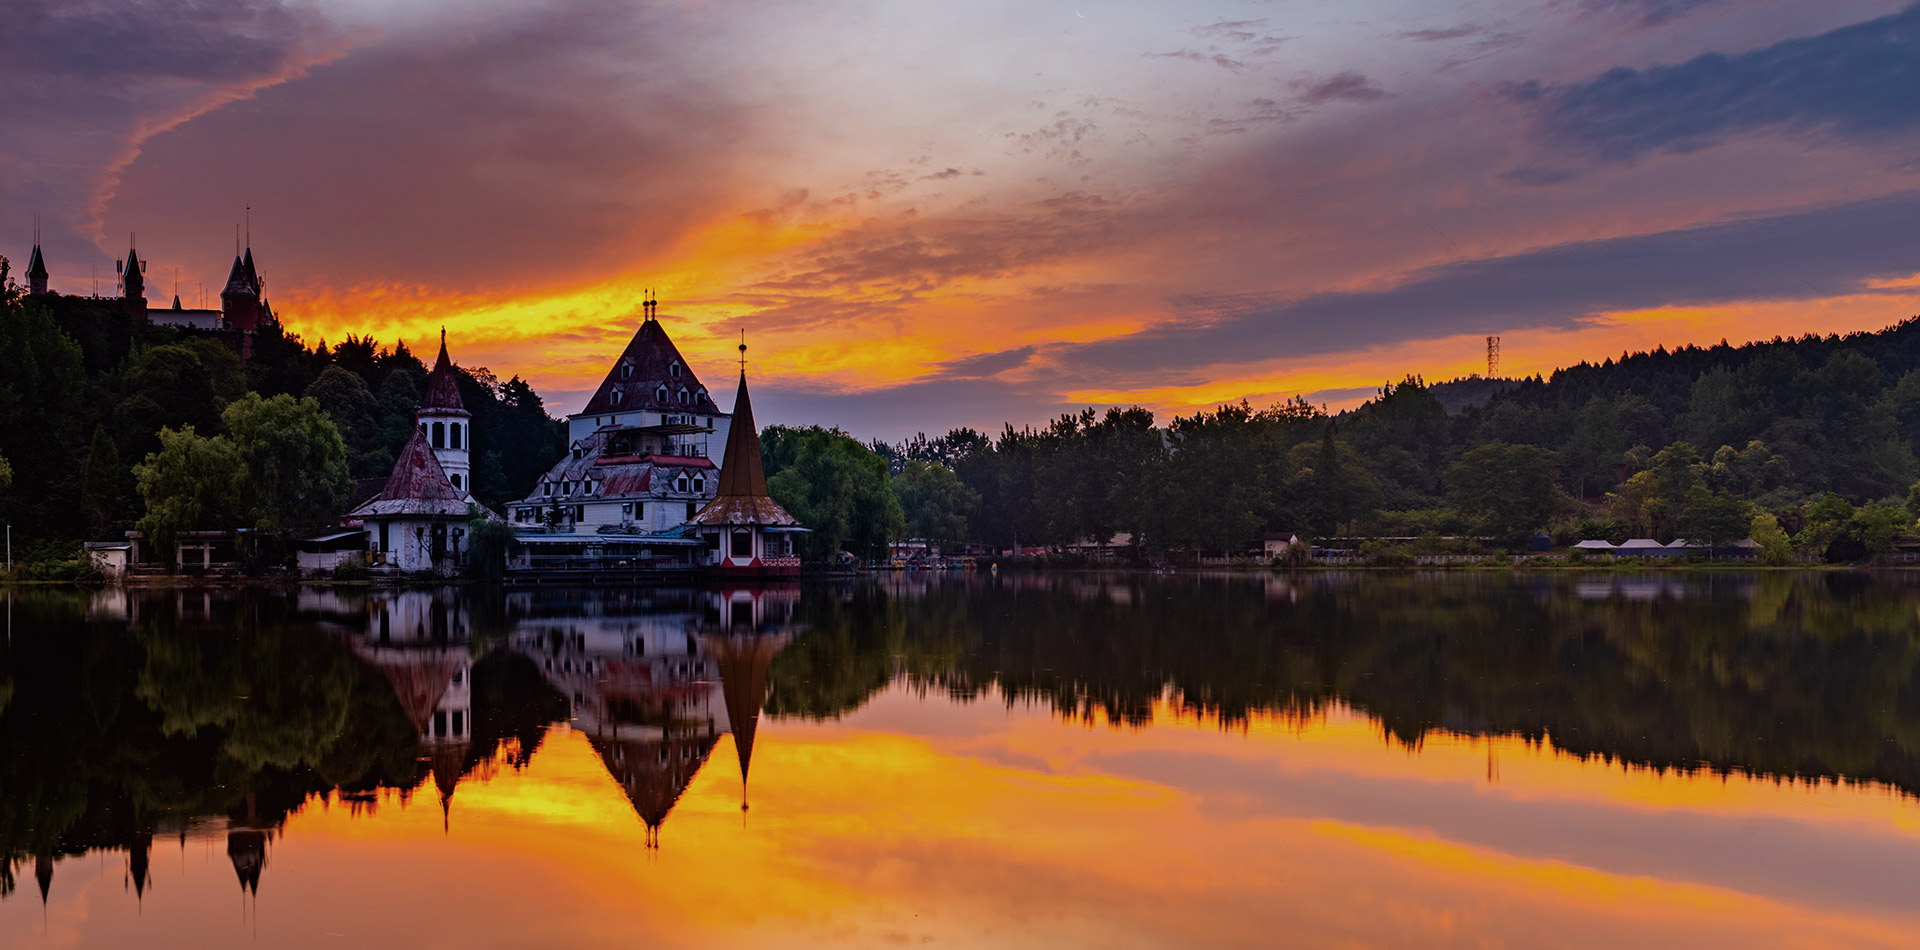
x: 221, y: 717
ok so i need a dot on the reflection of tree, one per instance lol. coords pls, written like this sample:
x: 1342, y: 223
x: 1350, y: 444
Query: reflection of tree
x: 1814, y: 676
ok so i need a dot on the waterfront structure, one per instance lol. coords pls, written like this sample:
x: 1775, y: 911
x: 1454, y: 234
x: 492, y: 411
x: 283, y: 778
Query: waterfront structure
x: 748, y: 534
x: 416, y: 523
x: 637, y: 461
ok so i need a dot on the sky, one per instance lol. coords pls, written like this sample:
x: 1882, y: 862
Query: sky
x: 932, y: 215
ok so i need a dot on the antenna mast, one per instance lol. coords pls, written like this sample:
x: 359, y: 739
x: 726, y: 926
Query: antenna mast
x: 1493, y: 357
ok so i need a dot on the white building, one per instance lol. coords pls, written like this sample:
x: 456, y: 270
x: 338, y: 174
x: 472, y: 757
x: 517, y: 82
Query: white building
x: 639, y: 457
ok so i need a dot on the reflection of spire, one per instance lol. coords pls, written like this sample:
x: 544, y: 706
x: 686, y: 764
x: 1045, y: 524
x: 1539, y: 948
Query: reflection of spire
x: 43, y: 872
x: 247, y: 847
x: 447, y: 760
x: 744, y: 660
x: 137, y: 863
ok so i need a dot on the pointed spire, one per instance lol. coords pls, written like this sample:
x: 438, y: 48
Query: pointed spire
x: 36, y: 264
x: 443, y: 390
x: 253, y: 276
x: 742, y: 473
x: 132, y: 284
x: 237, y: 282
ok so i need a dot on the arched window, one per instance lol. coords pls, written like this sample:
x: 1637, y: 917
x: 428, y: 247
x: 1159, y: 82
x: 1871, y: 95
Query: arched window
x: 453, y: 433
x: 439, y: 435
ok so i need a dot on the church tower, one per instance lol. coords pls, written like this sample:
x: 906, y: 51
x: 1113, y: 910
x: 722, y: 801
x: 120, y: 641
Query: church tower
x: 445, y: 421
x: 133, y: 286
x: 240, y: 299
x: 36, y: 272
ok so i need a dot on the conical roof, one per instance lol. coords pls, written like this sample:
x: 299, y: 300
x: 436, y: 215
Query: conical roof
x: 418, y: 486
x: 36, y: 265
x: 253, y: 276
x: 745, y: 660
x: 237, y: 280
x: 132, y: 284
x: 443, y: 387
x: 743, y: 497
x: 644, y: 367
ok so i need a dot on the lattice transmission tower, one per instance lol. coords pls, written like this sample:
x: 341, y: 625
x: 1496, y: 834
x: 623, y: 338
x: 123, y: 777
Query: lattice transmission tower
x: 1493, y: 357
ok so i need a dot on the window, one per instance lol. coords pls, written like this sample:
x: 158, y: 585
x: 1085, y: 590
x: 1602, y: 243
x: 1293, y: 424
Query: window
x: 680, y: 484
x: 674, y: 370
x: 566, y: 488
x: 423, y: 428
x: 701, y: 398
x: 640, y: 510
x: 692, y: 509
x: 661, y: 394
x: 579, y: 512
x: 743, y: 544
x: 439, y: 435
x: 586, y: 487
x: 546, y: 489
x: 456, y: 480
x: 685, y: 399
x: 699, y: 484
x: 577, y: 452
x: 613, y: 397
x: 626, y: 372
x: 454, y: 436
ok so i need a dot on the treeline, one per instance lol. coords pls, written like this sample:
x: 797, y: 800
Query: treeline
x: 90, y: 392
x: 1816, y: 438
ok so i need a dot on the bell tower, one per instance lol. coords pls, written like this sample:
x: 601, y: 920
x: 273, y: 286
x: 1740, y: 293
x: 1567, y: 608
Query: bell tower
x: 447, y: 424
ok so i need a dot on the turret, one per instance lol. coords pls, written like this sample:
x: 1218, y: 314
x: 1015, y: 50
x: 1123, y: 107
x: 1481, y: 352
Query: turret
x: 444, y: 419
x: 240, y: 299
x: 36, y: 272
x: 133, y: 286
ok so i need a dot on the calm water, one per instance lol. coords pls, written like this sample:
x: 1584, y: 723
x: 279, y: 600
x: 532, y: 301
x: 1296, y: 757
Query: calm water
x: 1043, y: 760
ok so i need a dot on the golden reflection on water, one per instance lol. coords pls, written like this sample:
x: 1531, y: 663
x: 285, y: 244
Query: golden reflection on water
x: 920, y: 821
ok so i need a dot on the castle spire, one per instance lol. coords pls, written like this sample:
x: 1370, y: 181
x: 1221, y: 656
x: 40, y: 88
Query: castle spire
x: 36, y: 270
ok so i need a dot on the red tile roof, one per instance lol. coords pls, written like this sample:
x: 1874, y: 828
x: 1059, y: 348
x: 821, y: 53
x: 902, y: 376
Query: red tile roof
x: 418, y: 486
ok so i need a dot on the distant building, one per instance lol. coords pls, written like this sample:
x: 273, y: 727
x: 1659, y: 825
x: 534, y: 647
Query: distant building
x: 243, y: 302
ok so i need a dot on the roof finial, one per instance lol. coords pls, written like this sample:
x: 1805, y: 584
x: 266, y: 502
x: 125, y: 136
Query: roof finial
x: 249, y: 225
x: 743, y: 354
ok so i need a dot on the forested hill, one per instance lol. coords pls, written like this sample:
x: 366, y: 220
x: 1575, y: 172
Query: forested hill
x: 1694, y: 441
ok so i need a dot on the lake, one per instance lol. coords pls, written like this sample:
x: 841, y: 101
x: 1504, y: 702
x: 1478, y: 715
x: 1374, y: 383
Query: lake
x: 1025, y: 760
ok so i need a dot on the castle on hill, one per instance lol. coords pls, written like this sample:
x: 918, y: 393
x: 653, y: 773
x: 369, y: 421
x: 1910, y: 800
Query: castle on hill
x: 243, y: 301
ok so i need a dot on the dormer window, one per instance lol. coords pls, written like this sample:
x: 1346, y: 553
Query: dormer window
x: 626, y: 371
x: 699, y: 484
x: 674, y: 370
x: 680, y: 484
x: 578, y: 452
x: 685, y: 397
x: 701, y: 397
x: 661, y: 394
x: 614, y: 397
x: 566, y: 488
x: 586, y: 487
x: 546, y: 489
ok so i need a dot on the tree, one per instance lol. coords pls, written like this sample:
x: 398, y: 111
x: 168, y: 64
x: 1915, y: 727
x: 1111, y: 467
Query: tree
x: 1508, y: 487
x: 295, y: 460
x: 345, y: 398
x: 835, y: 486
x: 1775, y: 549
x: 933, y: 500
x: 1713, y: 518
x: 100, y: 482
x: 191, y: 483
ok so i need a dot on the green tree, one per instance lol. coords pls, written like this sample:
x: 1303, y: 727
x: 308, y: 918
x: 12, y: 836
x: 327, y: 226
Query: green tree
x: 295, y: 460
x: 1715, y: 519
x: 1508, y: 487
x: 345, y: 398
x: 100, y: 482
x: 835, y: 486
x: 1775, y: 549
x: 935, y: 503
x: 191, y: 483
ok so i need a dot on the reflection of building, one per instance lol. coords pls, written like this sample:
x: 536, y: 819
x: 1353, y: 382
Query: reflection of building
x: 419, y: 641
x: 748, y: 534
x: 653, y: 691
